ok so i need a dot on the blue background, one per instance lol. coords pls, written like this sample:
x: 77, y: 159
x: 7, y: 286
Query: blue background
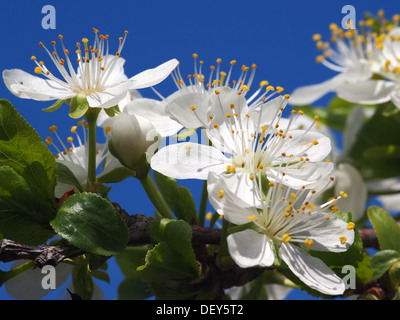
x: 276, y: 35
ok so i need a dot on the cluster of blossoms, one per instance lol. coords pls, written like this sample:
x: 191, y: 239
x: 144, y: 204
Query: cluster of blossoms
x: 366, y: 59
x: 263, y: 171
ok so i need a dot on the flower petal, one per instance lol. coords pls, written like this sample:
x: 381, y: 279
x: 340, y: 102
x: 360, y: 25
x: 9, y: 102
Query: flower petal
x: 154, y: 76
x: 366, y: 92
x: 249, y: 248
x: 349, y: 180
x: 188, y: 161
x: 227, y: 203
x: 312, y: 271
x: 27, y: 86
x: 180, y: 109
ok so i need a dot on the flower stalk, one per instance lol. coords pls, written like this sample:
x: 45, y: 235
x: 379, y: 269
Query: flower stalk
x: 91, y: 117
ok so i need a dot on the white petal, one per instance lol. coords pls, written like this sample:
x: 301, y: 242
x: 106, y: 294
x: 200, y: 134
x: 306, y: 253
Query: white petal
x: 154, y: 76
x: 309, y: 94
x: 26, y: 86
x: 326, y: 233
x: 309, y: 174
x: 366, y: 92
x: 189, y: 161
x: 312, y: 271
x: 28, y: 285
x: 395, y: 97
x: 354, y: 122
x: 104, y: 99
x: 349, y: 180
x: 179, y: 109
x: 302, y: 145
x: 249, y: 248
x: 230, y: 204
x: 267, y: 111
x: 153, y: 111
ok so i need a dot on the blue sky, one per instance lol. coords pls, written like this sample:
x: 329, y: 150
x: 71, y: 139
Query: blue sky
x: 275, y: 35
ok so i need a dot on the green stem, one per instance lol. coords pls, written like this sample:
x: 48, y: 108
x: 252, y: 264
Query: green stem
x: 203, y: 204
x: 155, y: 196
x: 4, y: 276
x: 91, y: 117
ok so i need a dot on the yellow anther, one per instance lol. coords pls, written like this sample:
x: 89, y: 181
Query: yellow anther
x: 215, y: 125
x: 264, y: 83
x: 294, y: 111
x: 244, y: 87
x: 343, y: 240
x: 287, y: 96
x: 279, y: 89
x: 33, y: 58
x: 70, y: 139
x: 316, y: 117
x: 208, y: 216
x: 251, y: 218
x: 251, y: 177
x: 73, y: 129
x: 286, y: 238
x: 233, y: 62
x: 49, y: 140
x: 315, y: 142
x: 293, y: 196
x: 193, y: 108
x: 86, y: 126
x: 270, y: 88
x: 319, y: 59
x: 221, y: 194
x: 351, y: 225
x: 187, y: 147
x: 53, y: 128
x: 85, y: 40
x: 107, y: 129
x: 260, y: 167
x: 271, y: 184
x: 309, y: 242
x: 301, y: 112
x: 219, y: 60
x: 195, y: 55
x: 217, y: 92
x: 316, y: 37
x: 38, y: 70
x: 381, y: 13
x: 343, y: 194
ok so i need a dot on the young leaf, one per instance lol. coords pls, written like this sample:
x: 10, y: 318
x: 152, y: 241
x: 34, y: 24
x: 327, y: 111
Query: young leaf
x: 386, y: 228
x: 382, y: 261
x: 91, y: 223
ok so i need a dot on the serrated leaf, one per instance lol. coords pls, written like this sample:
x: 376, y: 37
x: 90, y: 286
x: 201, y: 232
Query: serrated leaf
x: 382, y: 261
x: 91, y: 223
x: 82, y: 280
x: 386, y: 228
x: 22, y: 149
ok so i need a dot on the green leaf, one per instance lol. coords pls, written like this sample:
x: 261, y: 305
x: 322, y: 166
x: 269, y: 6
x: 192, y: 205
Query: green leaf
x: 382, y: 261
x: 91, y: 223
x: 55, y: 106
x: 381, y: 152
x: 23, y: 229
x: 386, y: 228
x: 178, y: 198
x: 79, y: 106
x: 178, y: 236
x: 117, y: 175
x: 65, y: 175
x: 132, y: 287
x: 82, y: 279
x: 379, y: 131
x: 22, y: 149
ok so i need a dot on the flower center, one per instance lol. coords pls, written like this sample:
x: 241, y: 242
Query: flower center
x: 95, y: 65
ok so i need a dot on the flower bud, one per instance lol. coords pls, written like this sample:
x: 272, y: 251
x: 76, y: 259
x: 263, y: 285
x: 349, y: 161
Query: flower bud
x: 131, y: 136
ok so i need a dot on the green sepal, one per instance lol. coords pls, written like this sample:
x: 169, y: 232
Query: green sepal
x: 117, y: 175
x: 78, y: 107
x: 54, y: 106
